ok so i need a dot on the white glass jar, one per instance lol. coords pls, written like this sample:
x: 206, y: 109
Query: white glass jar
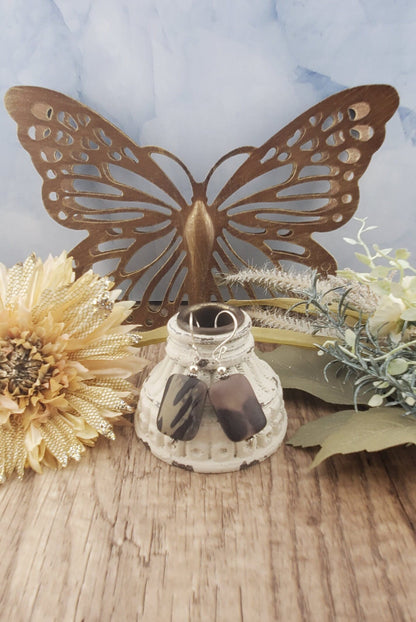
x: 211, y: 451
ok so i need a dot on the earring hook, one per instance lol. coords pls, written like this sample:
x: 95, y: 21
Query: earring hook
x: 197, y: 358
x: 222, y: 348
x: 191, y: 322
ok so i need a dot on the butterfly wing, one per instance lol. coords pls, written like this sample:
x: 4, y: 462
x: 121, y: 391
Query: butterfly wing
x: 163, y: 247
x: 302, y: 181
x: 96, y: 179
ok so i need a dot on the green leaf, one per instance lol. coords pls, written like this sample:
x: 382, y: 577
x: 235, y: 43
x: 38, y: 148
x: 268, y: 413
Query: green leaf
x: 371, y: 430
x: 364, y: 259
x: 402, y: 253
x: 300, y: 368
x: 350, y: 241
x: 383, y: 251
x: 375, y: 400
x: 381, y: 384
x: 150, y: 337
x: 403, y: 263
x: 347, y: 273
x: 285, y: 336
x: 381, y: 272
x: 397, y: 366
x: 315, y: 432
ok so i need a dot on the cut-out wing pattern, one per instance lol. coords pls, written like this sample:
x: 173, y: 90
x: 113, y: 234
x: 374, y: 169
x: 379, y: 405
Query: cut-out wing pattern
x: 163, y: 234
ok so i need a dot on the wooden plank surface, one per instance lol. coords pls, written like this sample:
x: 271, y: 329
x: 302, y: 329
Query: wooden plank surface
x: 122, y: 536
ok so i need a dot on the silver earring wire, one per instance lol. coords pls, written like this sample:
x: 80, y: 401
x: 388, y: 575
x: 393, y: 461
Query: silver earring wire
x: 193, y: 368
x: 191, y: 322
x: 221, y: 349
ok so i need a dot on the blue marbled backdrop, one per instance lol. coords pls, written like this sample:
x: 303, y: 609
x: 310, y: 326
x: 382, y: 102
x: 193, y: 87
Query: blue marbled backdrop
x: 201, y: 77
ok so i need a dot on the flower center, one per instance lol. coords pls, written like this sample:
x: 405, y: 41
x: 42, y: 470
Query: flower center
x: 23, y: 370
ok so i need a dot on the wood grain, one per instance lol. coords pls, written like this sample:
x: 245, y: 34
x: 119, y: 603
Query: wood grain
x: 122, y: 536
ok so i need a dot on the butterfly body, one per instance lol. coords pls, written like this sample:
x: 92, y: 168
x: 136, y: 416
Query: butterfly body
x: 199, y: 238
x: 164, y: 248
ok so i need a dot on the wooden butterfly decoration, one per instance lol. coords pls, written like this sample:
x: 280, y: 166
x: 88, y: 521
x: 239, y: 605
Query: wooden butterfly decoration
x: 167, y: 240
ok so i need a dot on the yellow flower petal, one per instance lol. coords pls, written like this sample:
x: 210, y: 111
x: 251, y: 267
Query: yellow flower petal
x: 6, y: 403
x: 48, y: 321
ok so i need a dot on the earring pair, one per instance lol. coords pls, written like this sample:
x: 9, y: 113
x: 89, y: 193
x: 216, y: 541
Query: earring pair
x: 232, y: 397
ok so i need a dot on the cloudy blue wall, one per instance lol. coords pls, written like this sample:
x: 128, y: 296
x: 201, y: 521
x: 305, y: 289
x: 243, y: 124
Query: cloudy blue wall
x: 201, y: 77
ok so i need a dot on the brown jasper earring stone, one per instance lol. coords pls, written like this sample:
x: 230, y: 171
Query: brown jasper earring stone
x: 181, y: 408
x: 237, y: 407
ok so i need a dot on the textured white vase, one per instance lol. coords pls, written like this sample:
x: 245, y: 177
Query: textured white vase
x: 211, y: 451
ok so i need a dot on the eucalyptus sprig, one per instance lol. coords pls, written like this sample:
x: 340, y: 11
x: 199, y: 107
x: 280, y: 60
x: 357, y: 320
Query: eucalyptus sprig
x: 392, y: 278
x: 374, y: 364
x: 326, y: 310
x: 385, y: 368
x: 366, y: 322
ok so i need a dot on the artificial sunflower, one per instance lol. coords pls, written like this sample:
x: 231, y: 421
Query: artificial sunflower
x: 64, y: 362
